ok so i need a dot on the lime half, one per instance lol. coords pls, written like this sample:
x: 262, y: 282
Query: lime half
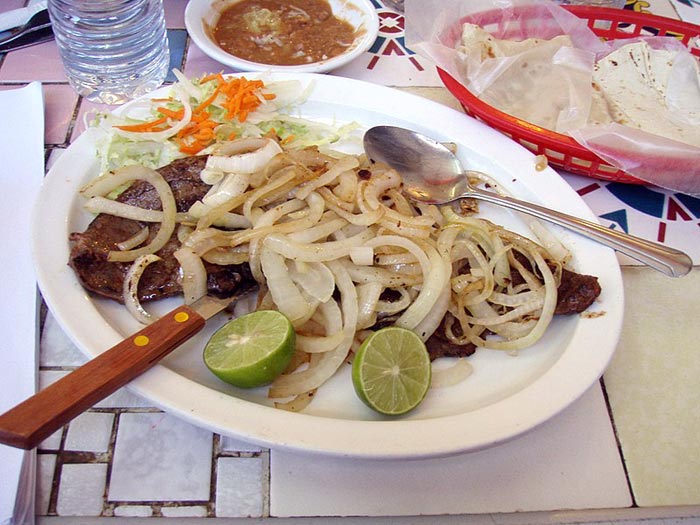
x: 391, y: 371
x: 252, y: 350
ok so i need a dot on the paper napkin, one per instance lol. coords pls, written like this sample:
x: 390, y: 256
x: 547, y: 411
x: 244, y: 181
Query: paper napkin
x: 21, y: 174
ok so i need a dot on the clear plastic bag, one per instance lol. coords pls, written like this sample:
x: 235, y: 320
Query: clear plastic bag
x: 550, y: 84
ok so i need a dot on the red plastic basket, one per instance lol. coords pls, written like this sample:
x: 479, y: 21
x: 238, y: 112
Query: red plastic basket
x: 561, y: 150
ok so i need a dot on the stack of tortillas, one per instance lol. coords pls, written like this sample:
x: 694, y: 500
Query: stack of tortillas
x: 636, y: 82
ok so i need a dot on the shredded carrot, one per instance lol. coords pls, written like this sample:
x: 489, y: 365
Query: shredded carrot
x: 237, y: 96
x: 170, y: 113
x: 145, y: 126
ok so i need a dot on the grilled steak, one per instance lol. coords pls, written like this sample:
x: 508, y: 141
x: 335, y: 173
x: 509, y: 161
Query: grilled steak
x: 575, y: 294
x: 89, y: 250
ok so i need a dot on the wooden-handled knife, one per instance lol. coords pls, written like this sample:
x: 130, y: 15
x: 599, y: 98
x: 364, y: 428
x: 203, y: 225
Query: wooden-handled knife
x: 36, y: 418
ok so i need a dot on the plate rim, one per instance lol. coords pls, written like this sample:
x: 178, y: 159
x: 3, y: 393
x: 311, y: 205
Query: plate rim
x: 409, y: 438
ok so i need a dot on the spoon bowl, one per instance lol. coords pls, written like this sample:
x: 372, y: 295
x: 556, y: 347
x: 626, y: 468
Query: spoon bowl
x: 432, y: 174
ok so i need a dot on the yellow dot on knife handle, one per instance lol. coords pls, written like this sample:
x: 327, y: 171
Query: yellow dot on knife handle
x: 141, y: 340
x: 181, y: 317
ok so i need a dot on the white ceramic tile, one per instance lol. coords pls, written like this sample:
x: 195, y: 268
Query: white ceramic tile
x: 21, y: 64
x: 239, y: 487
x: 53, y: 442
x: 653, y: 385
x: 59, y: 103
x: 184, y: 512
x: 133, y: 511
x: 46, y: 466
x: 90, y: 432
x: 81, y: 490
x: 46, y: 377
x: 124, y: 398
x: 571, y: 462
x: 174, y: 13
x: 198, y: 64
x: 56, y: 348
x: 158, y: 457
x: 228, y: 444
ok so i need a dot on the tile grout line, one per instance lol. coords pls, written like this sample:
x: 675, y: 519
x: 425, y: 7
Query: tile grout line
x: 618, y: 443
x: 265, y: 467
x: 110, y: 460
x: 58, y: 469
x: 215, y: 453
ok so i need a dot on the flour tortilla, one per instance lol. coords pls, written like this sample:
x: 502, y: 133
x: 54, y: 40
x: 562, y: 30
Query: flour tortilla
x: 545, y: 82
x: 634, y: 80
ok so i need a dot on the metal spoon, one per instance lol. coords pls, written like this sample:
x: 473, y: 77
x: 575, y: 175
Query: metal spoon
x: 432, y: 174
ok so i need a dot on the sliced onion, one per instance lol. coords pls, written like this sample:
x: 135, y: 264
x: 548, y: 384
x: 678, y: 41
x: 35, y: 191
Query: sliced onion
x: 457, y: 372
x: 314, y: 278
x: 193, y: 274
x: 318, y: 232
x: 343, y: 165
x: 368, y: 299
x: 119, y: 209
x: 260, y: 193
x: 378, y: 184
x: 285, y: 293
x: 317, y: 252
x: 545, y: 315
x: 392, y: 307
x: 130, y: 292
x: 232, y: 185
x: 434, y: 277
x: 328, y: 362
x: 250, y: 155
x: 162, y: 136
x: 230, y: 221
x: 134, y: 240
x: 362, y: 255
x: 427, y: 326
x: 110, y: 181
x: 298, y: 403
x: 367, y: 274
x: 319, y: 344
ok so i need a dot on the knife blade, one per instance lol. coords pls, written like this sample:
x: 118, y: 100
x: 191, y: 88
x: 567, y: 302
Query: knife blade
x: 28, y: 39
x: 18, y: 17
x: 37, y: 30
x: 39, y: 416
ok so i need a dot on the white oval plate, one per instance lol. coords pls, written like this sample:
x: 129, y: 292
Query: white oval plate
x: 506, y: 395
x: 200, y: 15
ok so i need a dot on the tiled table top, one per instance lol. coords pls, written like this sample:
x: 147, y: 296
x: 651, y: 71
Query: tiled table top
x: 626, y: 450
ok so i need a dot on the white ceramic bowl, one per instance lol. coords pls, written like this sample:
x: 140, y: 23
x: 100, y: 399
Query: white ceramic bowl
x: 203, y: 14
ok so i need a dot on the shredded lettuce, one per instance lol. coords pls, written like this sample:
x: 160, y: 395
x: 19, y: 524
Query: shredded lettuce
x: 117, y: 147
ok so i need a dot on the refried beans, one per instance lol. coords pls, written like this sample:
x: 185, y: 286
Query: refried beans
x: 283, y: 32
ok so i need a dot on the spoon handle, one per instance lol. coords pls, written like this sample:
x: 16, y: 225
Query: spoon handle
x: 669, y: 261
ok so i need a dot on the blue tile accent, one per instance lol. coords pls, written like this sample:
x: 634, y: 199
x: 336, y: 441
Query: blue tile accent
x: 177, y: 39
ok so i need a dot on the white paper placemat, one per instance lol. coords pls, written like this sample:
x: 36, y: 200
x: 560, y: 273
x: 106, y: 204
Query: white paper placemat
x: 21, y: 173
